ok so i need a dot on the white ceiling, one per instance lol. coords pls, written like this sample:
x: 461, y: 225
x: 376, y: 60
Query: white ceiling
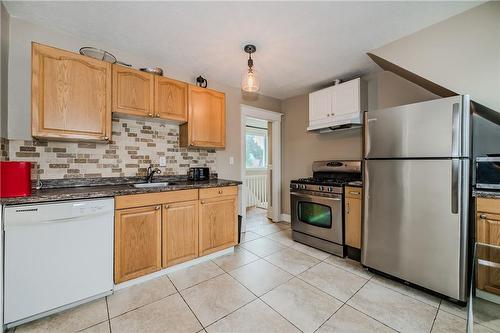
x: 300, y: 45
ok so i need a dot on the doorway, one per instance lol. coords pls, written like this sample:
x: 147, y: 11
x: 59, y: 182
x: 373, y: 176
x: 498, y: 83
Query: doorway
x: 261, y: 165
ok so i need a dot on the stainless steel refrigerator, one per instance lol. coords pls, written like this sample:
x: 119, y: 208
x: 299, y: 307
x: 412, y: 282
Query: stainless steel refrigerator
x: 416, y: 193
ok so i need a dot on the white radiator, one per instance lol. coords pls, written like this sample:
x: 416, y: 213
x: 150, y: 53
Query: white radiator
x: 256, y: 190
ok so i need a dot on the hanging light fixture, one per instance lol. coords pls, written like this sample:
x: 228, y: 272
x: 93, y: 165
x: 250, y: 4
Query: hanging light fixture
x: 250, y: 80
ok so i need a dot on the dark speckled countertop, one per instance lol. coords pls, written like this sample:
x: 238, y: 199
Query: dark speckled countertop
x: 486, y: 193
x: 95, y: 189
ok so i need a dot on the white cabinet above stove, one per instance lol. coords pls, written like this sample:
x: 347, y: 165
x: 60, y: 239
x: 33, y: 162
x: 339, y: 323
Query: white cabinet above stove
x: 337, y: 107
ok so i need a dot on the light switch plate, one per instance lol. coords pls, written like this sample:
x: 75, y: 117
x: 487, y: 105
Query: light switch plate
x: 231, y: 160
x: 163, y: 161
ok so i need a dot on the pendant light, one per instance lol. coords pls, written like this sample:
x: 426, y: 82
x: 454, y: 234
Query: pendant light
x: 250, y: 80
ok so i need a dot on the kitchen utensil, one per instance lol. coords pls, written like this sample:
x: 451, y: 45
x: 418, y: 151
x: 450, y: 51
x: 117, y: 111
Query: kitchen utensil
x: 101, y: 55
x: 153, y: 70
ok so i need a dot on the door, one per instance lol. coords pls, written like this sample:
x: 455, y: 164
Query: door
x: 353, y: 217
x: 320, y: 104
x: 346, y: 98
x: 207, y: 118
x: 218, y: 224
x: 70, y: 95
x: 170, y: 99
x: 133, y: 91
x: 180, y: 232
x: 414, y: 224
x: 317, y: 216
x: 437, y: 128
x: 137, y: 242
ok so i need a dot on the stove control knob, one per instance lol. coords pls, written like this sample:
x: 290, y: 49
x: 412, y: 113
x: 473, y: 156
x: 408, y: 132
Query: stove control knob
x: 302, y: 187
x: 320, y: 188
x: 330, y: 189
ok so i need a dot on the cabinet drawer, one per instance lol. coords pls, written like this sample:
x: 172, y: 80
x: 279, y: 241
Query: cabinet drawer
x: 353, y: 192
x: 488, y: 205
x: 147, y: 199
x: 215, y: 192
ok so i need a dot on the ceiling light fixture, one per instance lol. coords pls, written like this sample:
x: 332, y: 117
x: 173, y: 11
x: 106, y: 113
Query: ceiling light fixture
x: 250, y: 80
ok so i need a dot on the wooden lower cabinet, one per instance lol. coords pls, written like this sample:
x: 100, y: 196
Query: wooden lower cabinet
x: 353, y: 217
x: 488, y: 232
x: 179, y: 232
x: 137, y: 242
x: 218, y: 224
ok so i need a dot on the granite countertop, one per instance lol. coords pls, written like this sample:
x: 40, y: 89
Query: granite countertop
x: 98, y: 190
x: 486, y: 193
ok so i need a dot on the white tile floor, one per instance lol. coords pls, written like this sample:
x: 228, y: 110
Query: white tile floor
x: 269, y: 284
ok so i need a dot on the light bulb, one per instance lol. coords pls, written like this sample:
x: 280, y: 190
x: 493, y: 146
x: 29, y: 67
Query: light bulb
x: 250, y: 80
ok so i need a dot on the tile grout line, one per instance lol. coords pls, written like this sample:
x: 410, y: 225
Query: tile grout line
x: 107, y: 309
x: 435, y: 317
x: 182, y: 297
x: 279, y: 313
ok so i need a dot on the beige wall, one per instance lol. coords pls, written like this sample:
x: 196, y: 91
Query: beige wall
x: 461, y: 53
x: 19, y: 121
x: 301, y: 148
x: 4, y: 63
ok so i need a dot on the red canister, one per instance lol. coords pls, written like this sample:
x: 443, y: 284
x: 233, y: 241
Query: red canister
x: 15, y: 179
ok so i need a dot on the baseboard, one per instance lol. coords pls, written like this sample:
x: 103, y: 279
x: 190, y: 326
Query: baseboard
x: 285, y: 218
x: 168, y: 270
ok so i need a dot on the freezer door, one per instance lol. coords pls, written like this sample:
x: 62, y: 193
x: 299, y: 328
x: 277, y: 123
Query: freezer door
x: 437, y: 128
x: 414, y: 224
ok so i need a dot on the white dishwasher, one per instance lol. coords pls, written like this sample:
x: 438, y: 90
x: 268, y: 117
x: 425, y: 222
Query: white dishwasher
x: 56, y: 255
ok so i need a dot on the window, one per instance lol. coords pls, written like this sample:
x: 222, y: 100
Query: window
x: 256, y: 148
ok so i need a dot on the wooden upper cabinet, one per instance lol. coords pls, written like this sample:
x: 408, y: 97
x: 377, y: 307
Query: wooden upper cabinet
x: 180, y: 232
x: 70, y: 95
x: 137, y: 242
x: 206, y: 125
x: 171, y: 98
x: 133, y: 92
x: 218, y: 224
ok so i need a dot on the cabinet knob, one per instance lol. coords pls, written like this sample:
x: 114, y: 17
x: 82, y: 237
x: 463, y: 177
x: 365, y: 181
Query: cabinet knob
x: 158, y: 115
x: 482, y: 216
x: 106, y: 138
x: 166, y: 206
x: 220, y: 191
x: 328, y: 115
x: 202, y: 201
x: 150, y: 114
x: 157, y: 207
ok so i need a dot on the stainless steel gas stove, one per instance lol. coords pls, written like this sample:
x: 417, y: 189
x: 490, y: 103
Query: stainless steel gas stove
x: 317, y: 204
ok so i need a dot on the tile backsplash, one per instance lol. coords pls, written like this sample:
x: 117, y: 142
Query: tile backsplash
x: 135, y: 145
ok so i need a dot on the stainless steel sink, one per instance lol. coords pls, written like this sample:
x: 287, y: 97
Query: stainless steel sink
x: 146, y: 185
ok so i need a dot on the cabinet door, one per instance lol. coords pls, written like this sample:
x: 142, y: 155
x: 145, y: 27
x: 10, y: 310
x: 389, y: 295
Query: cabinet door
x: 180, y: 232
x: 133, y: 91
x: 170, y: 99
x: 207, y: 119
x: 346, y: 98
x: 320, y: 104
x: 70, y: 95
x: 218, y: 224
x: 137, y: 242
x: 488, y: 232
x: 488, y: 228
x: 353, y: 222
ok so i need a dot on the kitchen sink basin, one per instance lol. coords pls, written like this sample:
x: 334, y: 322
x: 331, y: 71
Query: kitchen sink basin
x: 146, y: 185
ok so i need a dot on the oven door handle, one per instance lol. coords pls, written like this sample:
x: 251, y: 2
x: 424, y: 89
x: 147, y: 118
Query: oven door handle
x: 308, y: 196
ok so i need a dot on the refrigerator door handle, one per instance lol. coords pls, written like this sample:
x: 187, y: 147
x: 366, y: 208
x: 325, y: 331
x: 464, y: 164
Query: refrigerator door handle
x: 455, y: 130
x: 455, y: 178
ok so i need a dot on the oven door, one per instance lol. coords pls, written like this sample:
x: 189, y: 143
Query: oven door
x: 317, y: 216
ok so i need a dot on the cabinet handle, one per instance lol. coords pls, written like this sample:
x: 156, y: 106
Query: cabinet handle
x: 202, y: 201
x: 328, y: 115
x: 166, y: 206
x: 150, y: 114
x: 157, y: 207
x: 352, y: 192
x: 347, y: 208
x: 332, y: 114
x: 482, y: 216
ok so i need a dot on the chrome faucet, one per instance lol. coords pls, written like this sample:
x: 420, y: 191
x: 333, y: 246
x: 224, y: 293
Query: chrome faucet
x: 151, y: 172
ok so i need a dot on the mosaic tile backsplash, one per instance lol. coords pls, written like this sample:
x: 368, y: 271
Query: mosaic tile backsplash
x: 135, y: 145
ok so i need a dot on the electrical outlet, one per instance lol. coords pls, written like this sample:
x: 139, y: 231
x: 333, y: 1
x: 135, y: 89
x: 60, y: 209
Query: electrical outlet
x: 231, y: 160
x: 163, y: 161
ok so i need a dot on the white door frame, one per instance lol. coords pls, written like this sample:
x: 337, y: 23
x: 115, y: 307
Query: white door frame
x: 275, y: 119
